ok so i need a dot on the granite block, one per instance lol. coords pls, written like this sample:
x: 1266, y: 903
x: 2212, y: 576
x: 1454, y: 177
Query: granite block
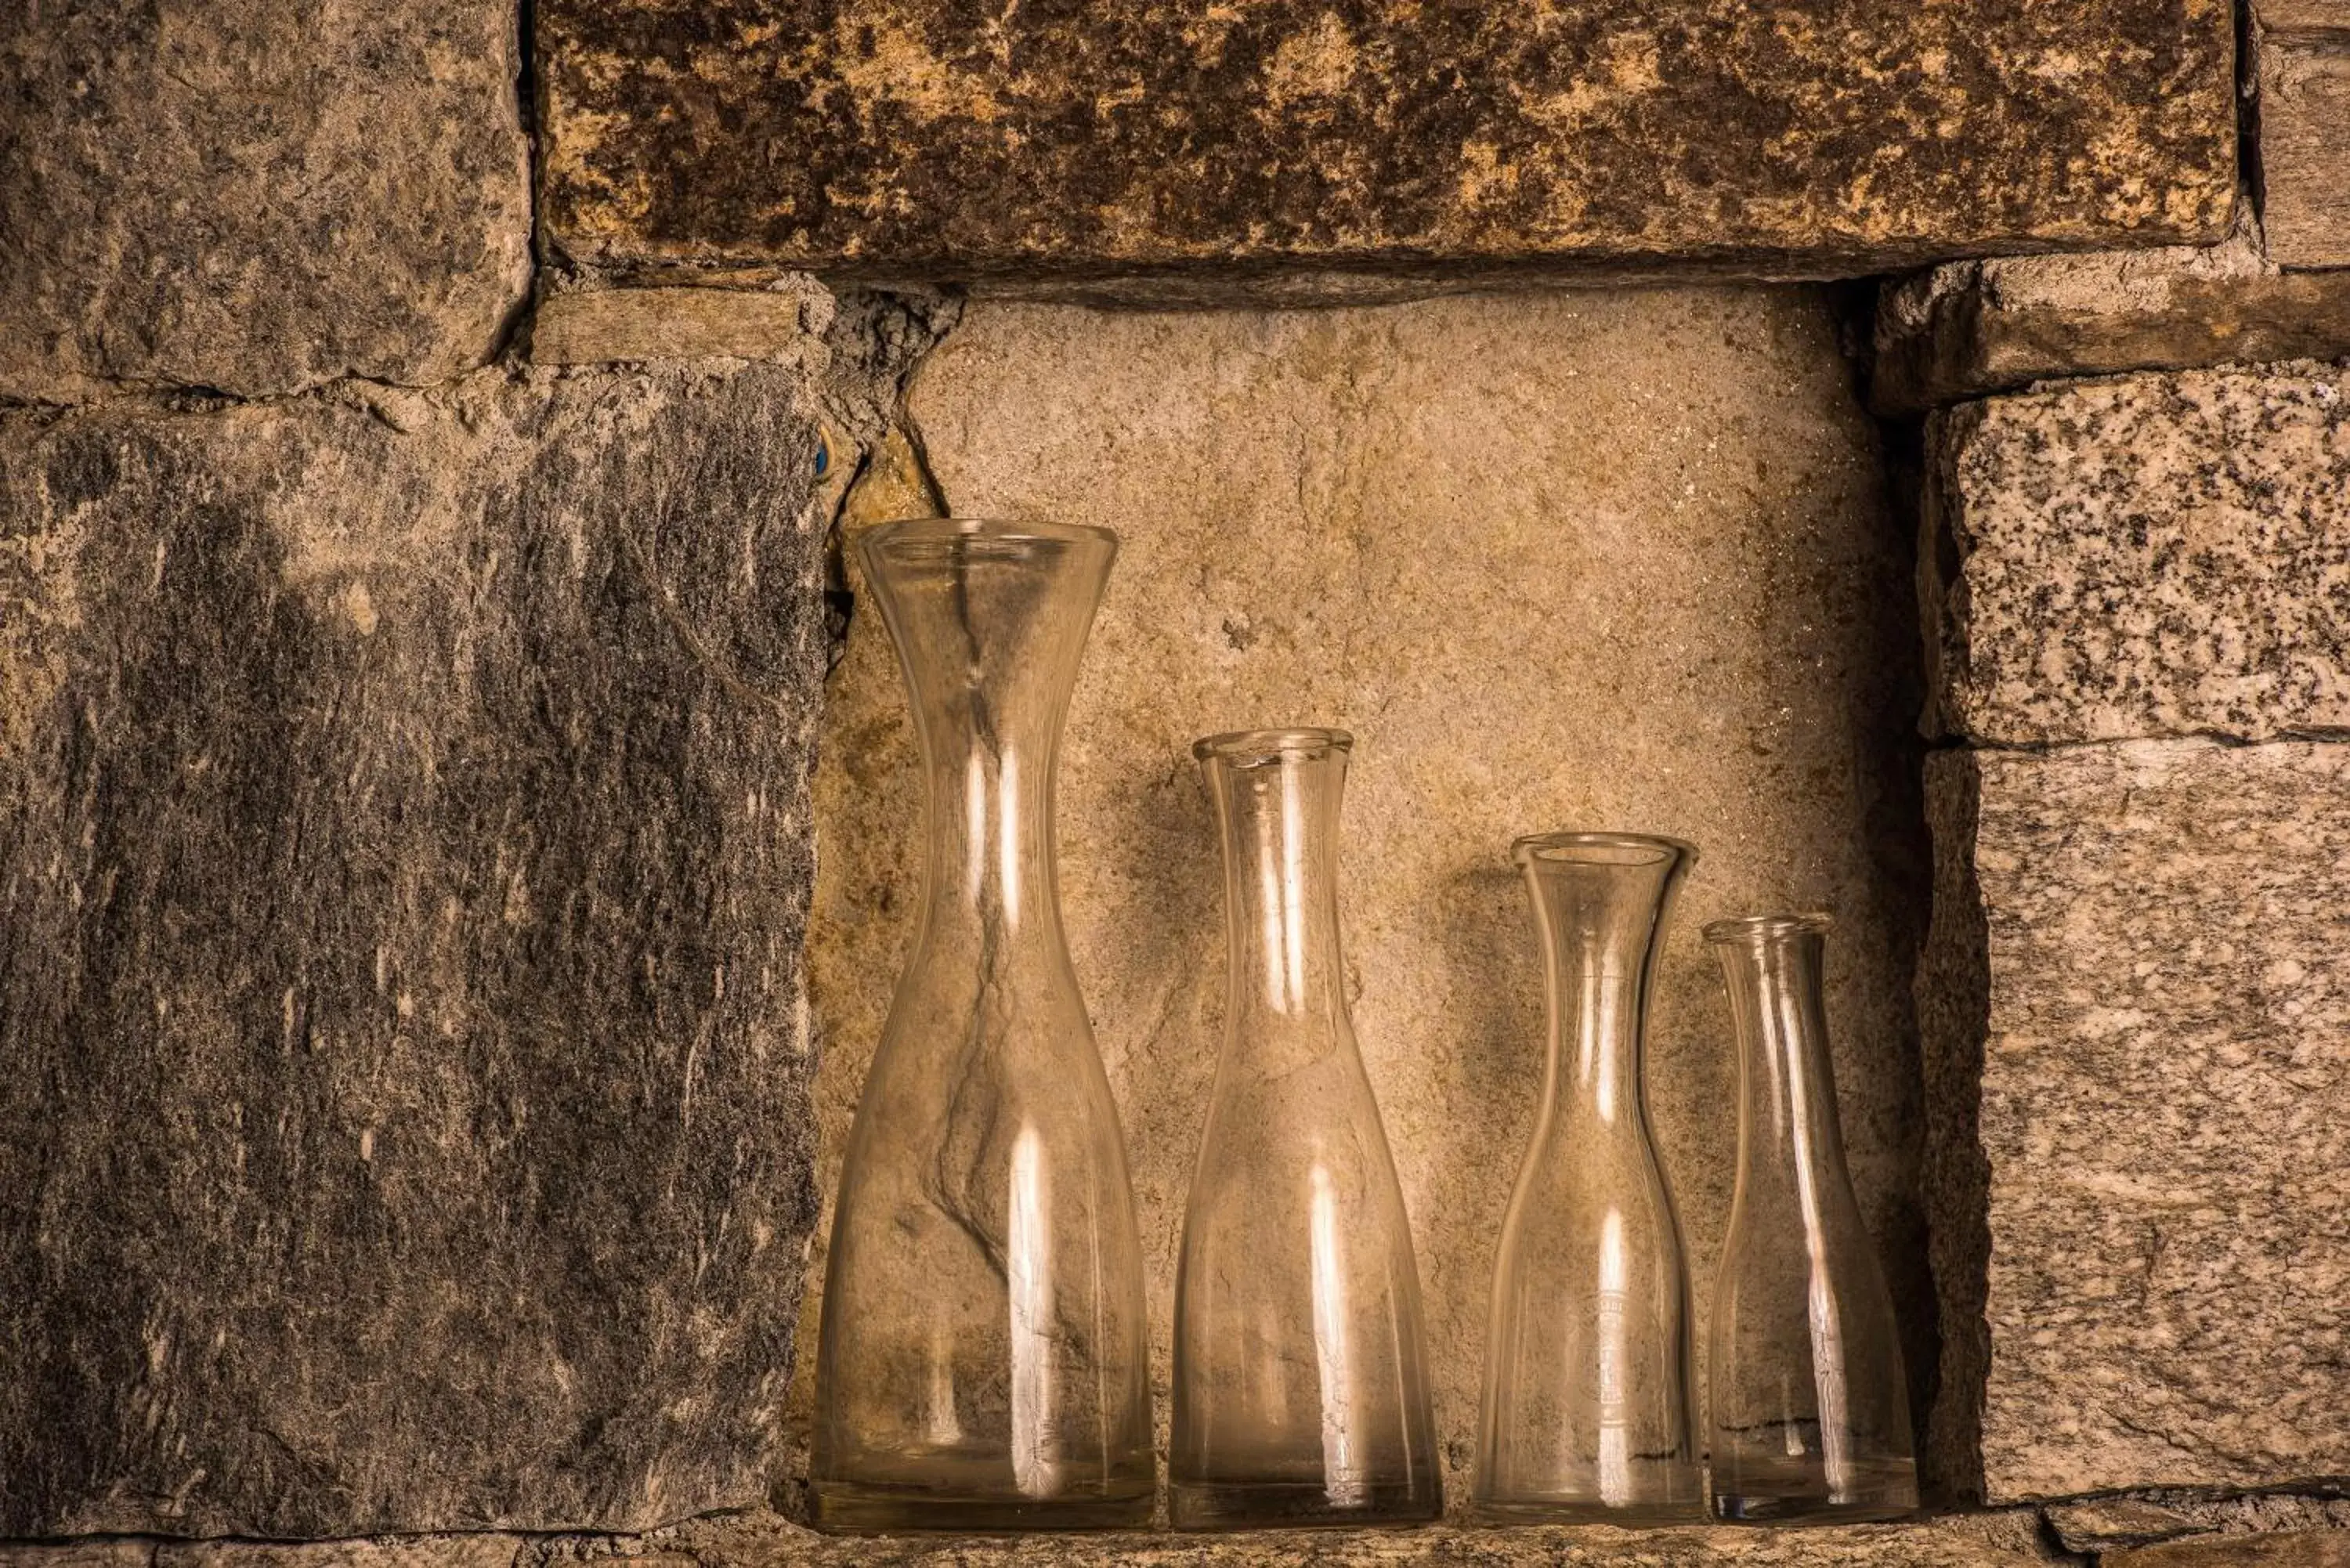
x: 257, y: 197
x: 930, y: 139
x: 2150, y: 555
x: 2138, y: 953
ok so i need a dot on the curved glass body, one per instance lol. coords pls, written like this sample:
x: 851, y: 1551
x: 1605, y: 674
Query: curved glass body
x: 1586, y: 1410
x: 1301, y: 1392
x: 981, y: 1365
x: 1810, y: 1412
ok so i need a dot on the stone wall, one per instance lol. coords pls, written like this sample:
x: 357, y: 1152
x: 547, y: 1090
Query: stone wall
x: 453, y: 810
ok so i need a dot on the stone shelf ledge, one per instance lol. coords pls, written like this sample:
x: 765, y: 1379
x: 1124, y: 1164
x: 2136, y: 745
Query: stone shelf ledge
x: 2005, y: 1539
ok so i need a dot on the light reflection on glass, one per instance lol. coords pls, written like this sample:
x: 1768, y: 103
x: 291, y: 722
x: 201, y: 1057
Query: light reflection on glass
x: 1342, y: 1477
x: 1613, y: 1354
x: 1028, y: 1270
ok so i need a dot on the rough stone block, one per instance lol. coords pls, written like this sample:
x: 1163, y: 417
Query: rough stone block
x: 783, y: 321
x: 1976, y: 327
x: 917, y: 138
x: 2303, y: 50
x: 2136, y: 1001
x: 1607, y: 560
x: 2299, y: 1549
x: 404, y: 852
x: 257, y: 198
x: 2111, y: 1523
x: 2153, y: 555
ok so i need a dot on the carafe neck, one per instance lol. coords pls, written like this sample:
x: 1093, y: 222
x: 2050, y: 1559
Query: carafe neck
x: 1277, y: 795
x: 1601, y: 901
x: 1788, y: 1130
x: 990, y: 620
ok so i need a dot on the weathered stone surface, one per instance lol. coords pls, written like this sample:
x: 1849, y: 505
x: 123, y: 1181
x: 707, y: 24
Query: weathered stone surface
x: 1976, y: 327
x: 2149, y: 937
x: 2112, y: 1523
x: 1614, y: 560
x: 784, y: 321
x: 2303, y: 52
x: 2153, y: 555
x: 927, y: 139
x: 114, y: 1554
x: 2301, y: 1549
x: 404, y: 848
x: 2107, y: 1524
x: 257, y: 198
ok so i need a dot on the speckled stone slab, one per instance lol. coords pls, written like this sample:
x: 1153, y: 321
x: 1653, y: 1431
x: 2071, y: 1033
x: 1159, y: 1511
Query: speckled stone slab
x: 258, y: 195
x: 404, y: 852
x: 2148, y: 555
x: 2138, y: 966
x: 1605, y: 560
x: 1976, y: 327
x: 936, y: 137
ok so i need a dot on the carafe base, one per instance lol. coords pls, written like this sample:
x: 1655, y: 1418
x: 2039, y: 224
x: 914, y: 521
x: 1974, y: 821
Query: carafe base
x: 1877, y: 1491
x: 849, y: 1508
x: 1296, y: 1505
x: 1657, y: 1515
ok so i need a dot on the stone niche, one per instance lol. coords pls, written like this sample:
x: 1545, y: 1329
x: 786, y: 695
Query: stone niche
x: 1612, y: 560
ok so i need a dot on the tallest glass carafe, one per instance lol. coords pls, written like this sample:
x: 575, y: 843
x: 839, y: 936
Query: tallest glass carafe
x: 982, y: 1358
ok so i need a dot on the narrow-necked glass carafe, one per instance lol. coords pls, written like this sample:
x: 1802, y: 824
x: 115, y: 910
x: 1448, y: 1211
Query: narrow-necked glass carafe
x: 1810, y: 1416
x: 1301, y: 1391
x: 1586, y: 1409
x: 981, y: 1365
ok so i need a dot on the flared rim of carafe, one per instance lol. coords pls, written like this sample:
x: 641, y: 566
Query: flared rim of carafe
x: 1769, y: 928
x: 1293, y: 741
x: 986, y: 530
x: 1579, y: 848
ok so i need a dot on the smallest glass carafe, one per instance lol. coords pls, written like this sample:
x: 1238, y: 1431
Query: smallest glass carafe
x: 1586, y: 1410
x: 1810, y: 1412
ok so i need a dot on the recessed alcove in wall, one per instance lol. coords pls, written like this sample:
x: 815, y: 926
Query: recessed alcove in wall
x: 1619, y: 560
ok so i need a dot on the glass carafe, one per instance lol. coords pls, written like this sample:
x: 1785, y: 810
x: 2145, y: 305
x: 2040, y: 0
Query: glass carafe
x: 1810, y: 1416
x: 1586, y: 1410
x: 1300, y: 1390
x: 980, y: 1363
